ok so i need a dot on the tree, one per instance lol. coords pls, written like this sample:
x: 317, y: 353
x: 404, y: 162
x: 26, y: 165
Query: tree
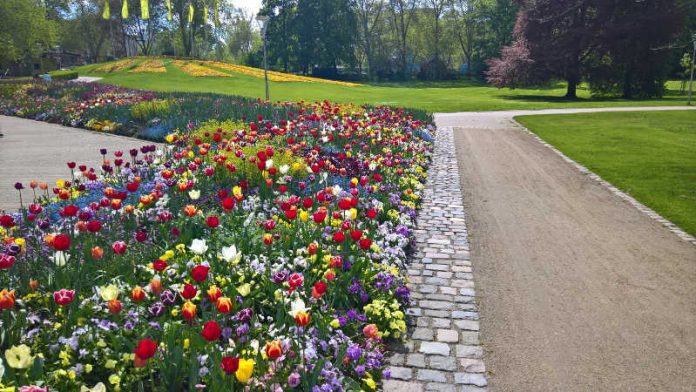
x: 556, y: 35
x: 402, y: 15
x: 369, y: 14
x: 25, y: 32
x: 634, y: 43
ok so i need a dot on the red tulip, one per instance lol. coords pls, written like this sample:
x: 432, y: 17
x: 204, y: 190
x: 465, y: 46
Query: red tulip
x: 212, y: 221
x: 200, y: 273
x: 228, y: 204
x: 211, y: 331
x: 274, y: 349
x: 365, y: 243
x: 6, y: 261
x: 230, y: 364
x: 7, y: 221
x: 93, y: 226
x: 189, y: 291
x: 295, y: 280
x: 146, y: 349
x: 318, y: 290
x: 61, y: 242
x: 119, y: 247
x: 339, y: 237
x: 64, y: 297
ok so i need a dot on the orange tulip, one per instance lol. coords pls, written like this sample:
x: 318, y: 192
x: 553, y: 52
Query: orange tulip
x: 224, y: 305
x: 156, y: 286
x: 7, y: 299
x: 188, y: 311
x: 137, y: 294
x: 190, y: 210
x: 302, y: 318
x: 274, y: 349
x: 97, y: 253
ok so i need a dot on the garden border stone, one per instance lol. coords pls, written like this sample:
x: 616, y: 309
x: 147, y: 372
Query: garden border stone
x: 442, y: 351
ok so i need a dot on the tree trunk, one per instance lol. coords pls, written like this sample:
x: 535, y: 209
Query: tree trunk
x: 571, y: 93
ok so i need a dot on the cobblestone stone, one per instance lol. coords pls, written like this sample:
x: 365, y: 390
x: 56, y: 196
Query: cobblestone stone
x: 446, y: 356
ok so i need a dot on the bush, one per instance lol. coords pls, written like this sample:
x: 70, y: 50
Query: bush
x: 63, y: 75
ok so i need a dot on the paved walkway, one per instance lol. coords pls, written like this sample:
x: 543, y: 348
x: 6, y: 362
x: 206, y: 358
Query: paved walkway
x: 579, y: 290
x: 32, y: 150
x: 443, y: 352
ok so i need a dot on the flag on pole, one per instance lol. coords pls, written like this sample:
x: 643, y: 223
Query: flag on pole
x: 107, y: 12
x: 124, y: 10
x: 169, y: 9
x: 144, y: 10
x: 216, y: 13
x: 190, y: 15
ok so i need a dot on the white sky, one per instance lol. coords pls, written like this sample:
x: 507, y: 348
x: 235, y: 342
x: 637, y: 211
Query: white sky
x: 252, y: 6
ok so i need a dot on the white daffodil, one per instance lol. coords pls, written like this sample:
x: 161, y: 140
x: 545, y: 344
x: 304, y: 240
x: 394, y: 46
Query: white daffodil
x: 194, y: 194
x: 198, y: 246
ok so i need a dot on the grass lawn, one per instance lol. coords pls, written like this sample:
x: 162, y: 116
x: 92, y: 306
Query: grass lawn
x: 649, y: 155
x: 432, y: 96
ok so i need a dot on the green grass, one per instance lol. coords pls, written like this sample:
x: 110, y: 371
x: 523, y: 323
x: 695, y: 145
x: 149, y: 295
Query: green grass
x: 431, y: 96
x: 649, y: 155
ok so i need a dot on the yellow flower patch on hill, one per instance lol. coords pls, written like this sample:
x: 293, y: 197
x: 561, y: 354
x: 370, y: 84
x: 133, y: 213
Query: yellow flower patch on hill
x: 197, y: 70
x: 150, y: 66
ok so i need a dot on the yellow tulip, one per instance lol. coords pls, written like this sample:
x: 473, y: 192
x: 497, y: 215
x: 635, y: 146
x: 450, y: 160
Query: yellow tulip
x: 245, y: 370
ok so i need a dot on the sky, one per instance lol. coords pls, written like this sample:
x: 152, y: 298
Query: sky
x: 252, y: 6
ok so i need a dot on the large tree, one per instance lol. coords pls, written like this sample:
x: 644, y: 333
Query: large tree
x: 25, y: 32
x: 553, y: 39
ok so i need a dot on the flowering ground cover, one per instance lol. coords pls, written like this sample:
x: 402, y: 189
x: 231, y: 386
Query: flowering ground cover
x: 144, y: 114
x: 265, y: 255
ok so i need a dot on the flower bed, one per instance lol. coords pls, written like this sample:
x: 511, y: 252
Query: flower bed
x: 197, y: 70
x: 265, y: 255
x: 273, y: 75
x: 144, y: 114
x: 150, y: 66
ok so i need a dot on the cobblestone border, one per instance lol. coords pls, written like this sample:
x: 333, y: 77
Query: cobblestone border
x: 616, y: 191
x: 442, y: 352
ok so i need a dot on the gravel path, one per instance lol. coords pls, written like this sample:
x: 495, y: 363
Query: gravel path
x: 580, y: 291
x: 33, y: 150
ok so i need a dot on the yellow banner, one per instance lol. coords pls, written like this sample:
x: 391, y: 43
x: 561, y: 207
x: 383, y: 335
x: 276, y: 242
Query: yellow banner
x: 124, y: 9
x: 107, y: 12
x: 144, y: 10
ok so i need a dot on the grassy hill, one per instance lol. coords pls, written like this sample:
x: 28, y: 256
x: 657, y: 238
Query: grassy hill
x: 172, y: 75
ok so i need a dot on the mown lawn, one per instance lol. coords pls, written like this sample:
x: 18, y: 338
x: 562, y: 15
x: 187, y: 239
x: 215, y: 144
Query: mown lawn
x: 430, y: 96
x: 649, y: 155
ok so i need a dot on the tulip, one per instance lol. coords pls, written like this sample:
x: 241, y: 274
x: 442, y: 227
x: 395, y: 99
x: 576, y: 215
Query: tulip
x: 19, y: 357
x: 7, y: 299
x: 224, y: 305
x: 61, y: 242
x: 119, y: 247
x: 145, y: 350
x: 6, y: 261
x: 274, y: 349
x: 212, y: 222
x: 246, y: 369
x: 64, y: 297
x: 318, y: 290
x: 229, y: 365
x: 199, y: 273
x: 211, y: 331
x: 302, y: 318
x: 137, y: 294
x: 188, y: 311
x: 159, y: 265
x: 189, y: 291
x: 114, y: 306
x: 214, y: 293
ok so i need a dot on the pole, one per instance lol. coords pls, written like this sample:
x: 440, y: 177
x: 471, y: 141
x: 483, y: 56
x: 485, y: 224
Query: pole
x: 265, y: 63
x: 691, y: 79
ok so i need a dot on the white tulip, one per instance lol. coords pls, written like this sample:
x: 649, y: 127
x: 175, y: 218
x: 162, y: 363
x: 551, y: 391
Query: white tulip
x: 198, y: 247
